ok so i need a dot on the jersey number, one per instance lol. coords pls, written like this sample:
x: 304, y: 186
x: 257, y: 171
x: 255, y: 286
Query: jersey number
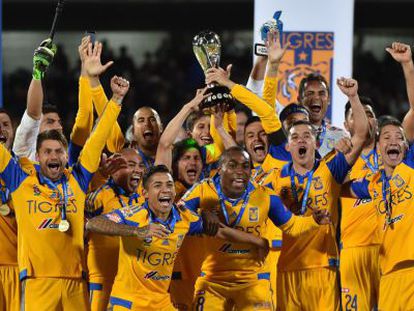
x: 351, y: 303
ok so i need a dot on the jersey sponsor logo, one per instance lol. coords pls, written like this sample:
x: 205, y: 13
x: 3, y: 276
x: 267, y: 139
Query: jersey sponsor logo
x: 360, y: 202
x: 309, y: 52
x: 156, y: 259
x: 156, y: 276
x: 227, y: 248
x: 46, y: 207
x: 253, y: 214
x: 47, y: 223
x: 394, y: 220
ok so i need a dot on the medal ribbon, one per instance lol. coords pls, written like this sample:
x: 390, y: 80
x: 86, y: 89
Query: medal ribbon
x: 322, y: 133
x: 148, y: 162
x: 307, y: 189
x: 374, y: 168
x: 385, y: 186
x: 169, y: 223
x: 62, y: 196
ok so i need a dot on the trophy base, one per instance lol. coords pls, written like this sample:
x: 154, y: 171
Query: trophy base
x: 217, y: 95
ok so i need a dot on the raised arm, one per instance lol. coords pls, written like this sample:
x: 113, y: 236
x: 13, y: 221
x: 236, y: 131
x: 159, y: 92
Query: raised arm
x: 265, y: 112
x: 350, y: 88
x: 402, y: 53
x: 218, y: 131
x: 255, y: 82
x: 165, y: 145
x: 275, y: 55
x: 94, y: 69
x: 26, y: 134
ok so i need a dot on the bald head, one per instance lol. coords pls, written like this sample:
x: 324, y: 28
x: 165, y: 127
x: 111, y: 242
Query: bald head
x: 147, y: 128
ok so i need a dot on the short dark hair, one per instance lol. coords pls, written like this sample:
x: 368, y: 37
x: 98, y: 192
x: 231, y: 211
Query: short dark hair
x: 178, y: 151
x: 292, y: 108
x: 365, y: 101
x: 192, y: 120
x: 314, y: 76
x: 241, y: 108
x: 153, y: 170
x: 47, y: 108
x: 227, y: 152
x: 302, y: 122
x: 2, y: 110
x: 51, y: 135
x: 251, y: 120
x: 387, y: 120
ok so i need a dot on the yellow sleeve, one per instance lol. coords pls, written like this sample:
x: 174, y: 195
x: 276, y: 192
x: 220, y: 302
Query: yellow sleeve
x: 266, y: 113
x: 232, y: 123
x: 298, y: 225
x: 116, y: 140
x: 91, y: 154
x: 215, y: 149
x: 84, y: 117
x: 93, y: 204
x: 5, y: 158
x: 269, y: 91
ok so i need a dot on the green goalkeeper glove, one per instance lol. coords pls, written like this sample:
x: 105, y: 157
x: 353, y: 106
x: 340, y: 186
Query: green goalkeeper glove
x: 42, y: 58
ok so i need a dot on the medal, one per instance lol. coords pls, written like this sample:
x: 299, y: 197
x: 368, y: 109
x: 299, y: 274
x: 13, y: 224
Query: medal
x: 64, y: 225
x: 5, y: 210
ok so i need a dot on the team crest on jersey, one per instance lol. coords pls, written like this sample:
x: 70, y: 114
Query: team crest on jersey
x: 180, y: 239
x: 317, y: 183
x: 253, y: 214
x: 398, y: 181
x: 165, y: 242
x: 36, y: 190
x: 309, y: 52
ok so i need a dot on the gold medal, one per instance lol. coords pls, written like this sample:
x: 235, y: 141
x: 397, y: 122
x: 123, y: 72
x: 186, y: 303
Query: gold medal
x: 64, y: 225
x: 5, y: 210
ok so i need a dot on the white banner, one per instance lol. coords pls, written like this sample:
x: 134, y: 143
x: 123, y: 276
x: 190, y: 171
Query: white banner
x: 320, y: 33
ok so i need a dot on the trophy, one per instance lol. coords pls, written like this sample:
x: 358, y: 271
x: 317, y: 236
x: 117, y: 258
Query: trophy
x: 207, y: 49
x: 274, y: 25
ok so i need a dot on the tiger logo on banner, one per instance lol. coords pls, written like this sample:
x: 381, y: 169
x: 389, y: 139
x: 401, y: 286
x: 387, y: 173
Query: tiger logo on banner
x: 309, y: 52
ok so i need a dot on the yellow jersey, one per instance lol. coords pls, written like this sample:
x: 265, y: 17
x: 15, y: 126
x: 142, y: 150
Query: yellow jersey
x: 395, y: 228
x: 238, y: 262
x: 359, y: 217
x: 321, y: 187
x: 102, y: 259
x: 145, y: 266
x: 43, y: 251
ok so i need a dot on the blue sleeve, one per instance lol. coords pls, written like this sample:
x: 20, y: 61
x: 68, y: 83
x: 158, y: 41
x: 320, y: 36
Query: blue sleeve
x: 360, y: 188
x: 409, y: 157
x: 193, y: 204
x: 13, y: 175
x: 278, y: 213
x: 339, y: 167
x: 196, y: 227
x: 82, y: 176
x: 280, y: 153
x: 74, y: 152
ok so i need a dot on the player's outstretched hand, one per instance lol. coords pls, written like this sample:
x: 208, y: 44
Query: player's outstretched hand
x: 119, y: 87
x: 348, y: 86
x: 275, y: 52
x: 92, y: 59
x: 401, y: 52
x: 220, y: 76
x: 322, y: 216
x: 194, y: 104
x: 344, y: 145
x: 42, y: 58
x: 211, y: 222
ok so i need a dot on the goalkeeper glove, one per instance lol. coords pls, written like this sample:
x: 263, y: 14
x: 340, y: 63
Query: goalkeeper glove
x: 42, y: 58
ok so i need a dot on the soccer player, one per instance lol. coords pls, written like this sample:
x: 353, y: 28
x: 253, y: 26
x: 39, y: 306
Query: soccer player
x: 9, y: 271
x: 313, y: 93
x: 120, y: 191
x: 306, y: 184
x: 391, y: 190
x: 233, y: 276
x: 49, y: 207
x: 185, y: 158
x: 151, y: 235
x: 37, y: 118
x: 359, y: 244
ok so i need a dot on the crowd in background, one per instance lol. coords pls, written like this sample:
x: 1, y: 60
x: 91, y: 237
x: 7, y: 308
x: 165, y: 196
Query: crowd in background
x: 167, y: 78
